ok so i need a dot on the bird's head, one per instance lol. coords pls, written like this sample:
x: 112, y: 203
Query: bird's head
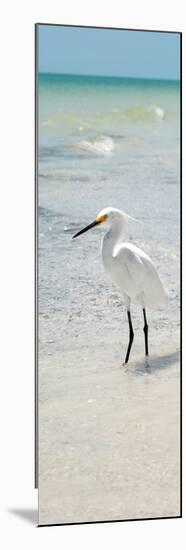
x: 110, y: 215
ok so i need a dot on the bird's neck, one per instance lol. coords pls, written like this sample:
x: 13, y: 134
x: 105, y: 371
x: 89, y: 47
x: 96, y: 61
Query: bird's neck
x: 113, y: 237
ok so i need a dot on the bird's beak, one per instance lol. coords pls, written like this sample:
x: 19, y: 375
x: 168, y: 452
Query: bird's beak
x: 96, y: 222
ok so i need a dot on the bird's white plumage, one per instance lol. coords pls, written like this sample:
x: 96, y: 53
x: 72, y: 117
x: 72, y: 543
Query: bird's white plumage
x: 131, y: 269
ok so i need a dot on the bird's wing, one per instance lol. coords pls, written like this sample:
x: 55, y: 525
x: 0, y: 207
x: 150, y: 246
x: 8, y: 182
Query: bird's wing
x: 130, y: 269
x: 139, y: 276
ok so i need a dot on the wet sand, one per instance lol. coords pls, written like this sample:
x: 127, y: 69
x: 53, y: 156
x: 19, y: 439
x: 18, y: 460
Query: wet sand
x: 110, y: 438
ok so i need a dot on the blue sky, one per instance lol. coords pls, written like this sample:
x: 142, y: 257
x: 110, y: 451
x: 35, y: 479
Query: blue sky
x: 110, y: 52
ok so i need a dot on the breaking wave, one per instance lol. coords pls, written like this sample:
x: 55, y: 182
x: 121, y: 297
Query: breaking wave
x: 73, y: 121
x: 149, y: 113
x: 102, y: 145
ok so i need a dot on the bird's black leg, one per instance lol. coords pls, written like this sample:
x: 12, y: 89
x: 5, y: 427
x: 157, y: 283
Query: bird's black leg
x: 145, y: 328
x: 131, y: 336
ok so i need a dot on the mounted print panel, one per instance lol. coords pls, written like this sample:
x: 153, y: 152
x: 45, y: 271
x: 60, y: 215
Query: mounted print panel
x: 108, y: 283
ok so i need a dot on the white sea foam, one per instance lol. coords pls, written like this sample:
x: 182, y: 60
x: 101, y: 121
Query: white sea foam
x: 159, y: 112
x: 102, y: 145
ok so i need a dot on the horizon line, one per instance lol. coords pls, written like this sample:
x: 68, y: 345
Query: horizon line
x: 54, y: 73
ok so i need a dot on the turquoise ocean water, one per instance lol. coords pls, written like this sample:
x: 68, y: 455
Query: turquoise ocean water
x: 81, y: 115
x: 104, y: 142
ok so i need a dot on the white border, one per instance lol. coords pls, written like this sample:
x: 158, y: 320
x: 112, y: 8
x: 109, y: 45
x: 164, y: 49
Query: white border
x: 17, y: 270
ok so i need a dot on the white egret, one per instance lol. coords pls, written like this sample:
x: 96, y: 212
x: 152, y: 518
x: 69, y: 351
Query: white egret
x: 131, y: 269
